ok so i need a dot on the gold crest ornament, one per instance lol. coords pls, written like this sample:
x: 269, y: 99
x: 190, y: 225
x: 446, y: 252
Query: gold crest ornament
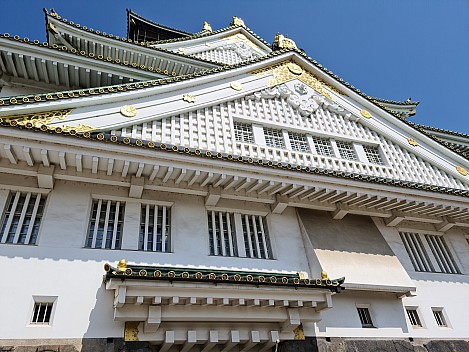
x: 294, y: 68
x: 238, y: 22
x: 189, y: 98
x: 283, y: 42
x: 236, y: 85
x: 365, y: 113
x: 461, y: 170
x: 128, y: 111
x: 412, y: 142
x: 324, y: 275
x: 207, y: 27
x: 122, y: 265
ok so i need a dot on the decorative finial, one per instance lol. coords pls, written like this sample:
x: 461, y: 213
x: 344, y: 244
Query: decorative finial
x: 238, y: 22
x: 122, y: 265
x: 207, y: 27
x: 282, y: 42
x: 324, y: 275
x: 409, y: 100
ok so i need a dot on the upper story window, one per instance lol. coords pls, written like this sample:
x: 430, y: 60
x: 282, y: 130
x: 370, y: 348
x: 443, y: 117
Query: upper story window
x: 429, y: 253
x: 106, y: 221
x: 373, y: 155
x: 299, y: 142
x: 243, y: 132
x: 274, y: 138
x: 323, y: 146
x: 346, y: 150
x: 155, y: 228
x: 22, y: 218
x: 222, y: 234
x: 256, y: 237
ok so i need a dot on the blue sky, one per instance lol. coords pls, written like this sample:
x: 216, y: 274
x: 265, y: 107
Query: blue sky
x: 393, y: 49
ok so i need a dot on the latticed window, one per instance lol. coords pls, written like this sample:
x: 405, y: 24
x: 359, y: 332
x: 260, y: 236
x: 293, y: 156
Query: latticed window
x: 429, y: 253
x: 42, y: 313
x: 155, y: 228
x: 22, y: 218
x: 256, y: 237
x: 414, y: 318
x: 365, y: 317
x: 346, y: 150
x: 373, y: 155
x: 274, y: 138
x: 299, y: 142
x: 323, y: 146
x: 439, y: 317
x: 243, y: 132
x: 222, y: 234
x: 105, y: 229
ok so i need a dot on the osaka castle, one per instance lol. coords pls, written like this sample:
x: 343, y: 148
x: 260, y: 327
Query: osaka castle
x: 211, y: 192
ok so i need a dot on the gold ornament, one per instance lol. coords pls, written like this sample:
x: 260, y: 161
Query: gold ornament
x: 282, y: 42
x: 207, y: 27
x: 189, y: 98
x: 365, y: 113
x: 236, y: 85
x: 131, y: 331
x: 294, y: 68
x: 181, y: 50
x: 238, y: 22
x: 461, y: 170
x: 122, y: 265
x: 128, y: 111
x: 323, y: 275
x: 412, y: 142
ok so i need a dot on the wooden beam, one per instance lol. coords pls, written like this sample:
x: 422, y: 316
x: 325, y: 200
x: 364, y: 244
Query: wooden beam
x: 341, y: 211
x: 395, y: 219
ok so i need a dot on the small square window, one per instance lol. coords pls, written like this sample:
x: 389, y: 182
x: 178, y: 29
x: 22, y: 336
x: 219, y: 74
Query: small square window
x: 346, y: 150
x: 323, y: 146
x: 42, y: 313
x: 373, y: 155
x: 243, y: 132
x: 414, y: 318
x: 439, y: 317
x: 365, y: 317
x: 299, y: 142
x: 274, y: 138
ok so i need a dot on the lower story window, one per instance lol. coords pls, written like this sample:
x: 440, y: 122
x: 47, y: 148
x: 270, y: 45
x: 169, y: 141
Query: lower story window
x: 414, y: 318
x: 439, y: 317
x: 106, y: 221
x: 365, y: 317
x: 42, y: 310
x: 155, y: 228
x: 222, y: 235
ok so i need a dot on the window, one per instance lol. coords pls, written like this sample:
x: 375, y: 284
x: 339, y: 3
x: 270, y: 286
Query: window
x: 274, y: 138
x: 413, y: 317
x: 323, y: 146
x: 106, y: 221
x: 373, y: 155
x: 299, y: 142
x: 429, y: 253
x: 439, y: 317
x: 346, y: 150
x: 22, y: 218
x: 222, y: 235
x: 42, y: 313
x: 365, y: 317
x: 256, y: 237
x: 243, y: 132
x: 155, y: 228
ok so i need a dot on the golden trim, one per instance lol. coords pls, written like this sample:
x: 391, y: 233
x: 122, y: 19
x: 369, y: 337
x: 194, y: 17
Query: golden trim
x: 188, y: 98
x: 299, y: 333
x: 461, y: 170
x: 412, y: 142
x: 283, y: 73
x: 236, y: 85
x: 131, y: 331
x: 38, y: 119
x: 365, y: 113
x: 128, y: 111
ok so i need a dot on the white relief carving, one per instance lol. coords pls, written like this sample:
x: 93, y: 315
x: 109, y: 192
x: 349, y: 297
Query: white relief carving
x: 301, y: 89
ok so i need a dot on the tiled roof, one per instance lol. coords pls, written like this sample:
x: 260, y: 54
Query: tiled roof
x: 156, y: 24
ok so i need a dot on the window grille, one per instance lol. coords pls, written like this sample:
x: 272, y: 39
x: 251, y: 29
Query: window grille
x: 274, y: 138
x: 346, y: 150
x: 422, y: 248
x: 42, y: 313
x: 439, y: 317
x: 299, y: 142
x: 365, y: 317
x: 155, y: 228
x: 105, y: 229
x: 222, y: 235
x: 256, y: 237
x: 243, y: 132
x: 323, y: 146
x: 22, y: 218
x: 414, y: 318
x: 373, y: 155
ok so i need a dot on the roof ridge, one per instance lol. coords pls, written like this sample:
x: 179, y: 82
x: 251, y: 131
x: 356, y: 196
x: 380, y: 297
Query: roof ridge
x: 406, y: 102
x: 129, y: 11
x: 442, y: 130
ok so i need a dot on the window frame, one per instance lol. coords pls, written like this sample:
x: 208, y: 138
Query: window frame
x: 339, y: 150
x: 280, y: 137
x: 330, y: 153
x: 295, y: 142
x: 413, y: 313
x: 235, y: 130
x: 43, y: 300
x: 366, y: 308
x: 442, y: 313
x: 379, y: 153
x: 169, y: 246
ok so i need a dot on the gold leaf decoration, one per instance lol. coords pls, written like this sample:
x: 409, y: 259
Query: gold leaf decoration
x: 189, y: 98
x: 461, y: 170
x: 38, y: 119
x: 128, y: 111
x: 412, y: 142
x: 365, y: 113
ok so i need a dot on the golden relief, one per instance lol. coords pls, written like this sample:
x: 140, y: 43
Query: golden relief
x: 188, y: 98
x: 365, y: 113
x: 128, y: 111
x: 236, y: 38
x: 461, y: 170
x: 131, y: 331
x: 238, y: 22
x: 236, y: 85
x: 207, y: 27
x: 299, y: 333
x: 412, y: 142
x: 37, y: 119
x: 282, y: 42
x: 288, y: 71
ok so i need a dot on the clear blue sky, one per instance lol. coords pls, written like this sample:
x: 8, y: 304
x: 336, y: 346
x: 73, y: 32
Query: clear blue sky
x: 392, y: 49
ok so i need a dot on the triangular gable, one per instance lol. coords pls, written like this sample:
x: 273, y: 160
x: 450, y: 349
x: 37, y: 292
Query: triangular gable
x: 264, y: 94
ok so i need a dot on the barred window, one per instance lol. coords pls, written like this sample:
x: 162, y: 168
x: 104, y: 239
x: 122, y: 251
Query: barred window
x: 274, y: 138
x: 373, y: 155
x: 439, y: 317
x: 414, y: 318
x: 423, y: 248
x: 106, y: 221
x: 222, y: 234
x: 22, y: 218
x: 256, y: 237
x: 299, y: 142
x: 155, y: 228
x: 323, y: 146
x: 243, y: 132
x: 346, y: 150
x: 365, y: 317
x: 42, y: 313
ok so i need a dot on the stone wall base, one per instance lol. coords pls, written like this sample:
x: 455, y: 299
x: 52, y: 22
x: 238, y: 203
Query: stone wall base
x: 310, y: 344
